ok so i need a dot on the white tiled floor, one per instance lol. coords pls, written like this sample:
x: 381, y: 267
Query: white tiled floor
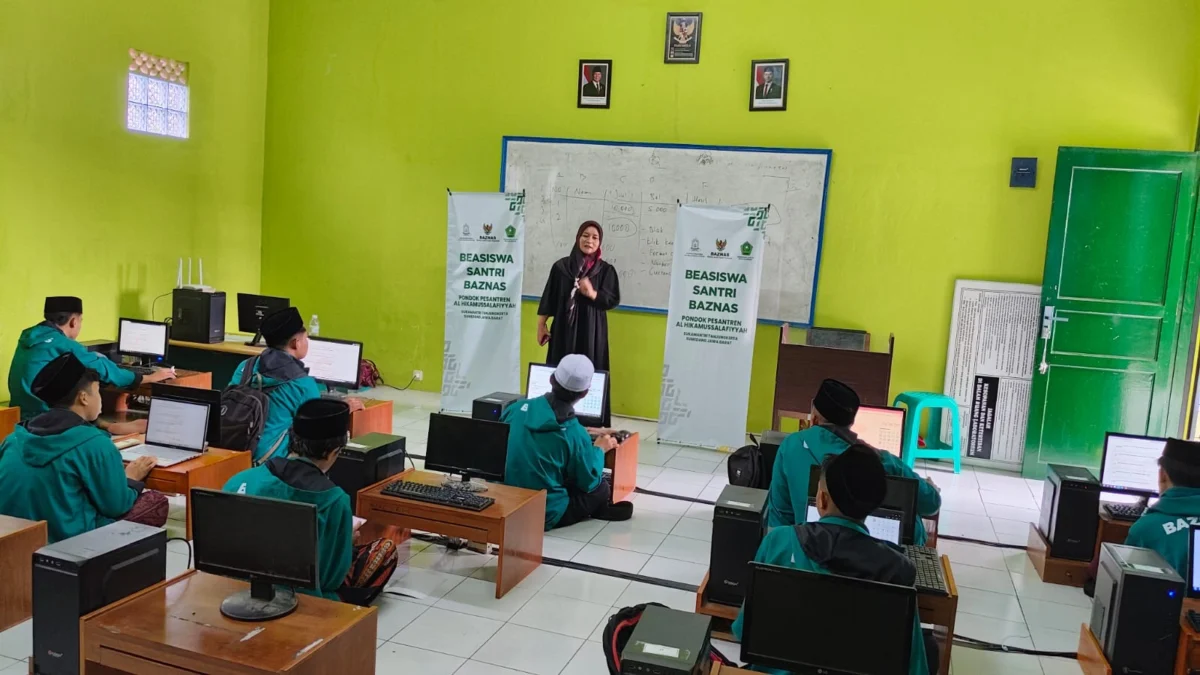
x: 551, y: 623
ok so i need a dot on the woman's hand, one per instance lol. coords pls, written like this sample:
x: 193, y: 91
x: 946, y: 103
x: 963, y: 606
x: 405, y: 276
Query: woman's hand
x: 585, y: 287
x: 543, y: 332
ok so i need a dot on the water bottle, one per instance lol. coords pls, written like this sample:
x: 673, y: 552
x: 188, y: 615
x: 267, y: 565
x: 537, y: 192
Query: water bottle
x: 314, y: 326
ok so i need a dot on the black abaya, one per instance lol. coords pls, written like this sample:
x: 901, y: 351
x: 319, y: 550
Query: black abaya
x: 588, y: 334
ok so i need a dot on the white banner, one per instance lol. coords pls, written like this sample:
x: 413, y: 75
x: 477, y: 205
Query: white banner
x: 989, y: 368
x: 713, y: 312
x: 484, y: 265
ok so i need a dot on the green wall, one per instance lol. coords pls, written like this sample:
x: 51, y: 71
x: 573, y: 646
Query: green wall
x: 374, y: 109
x: 90, y: 209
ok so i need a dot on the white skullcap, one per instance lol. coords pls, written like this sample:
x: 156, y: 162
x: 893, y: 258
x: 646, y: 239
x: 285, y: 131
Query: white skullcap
x: 574, y: 373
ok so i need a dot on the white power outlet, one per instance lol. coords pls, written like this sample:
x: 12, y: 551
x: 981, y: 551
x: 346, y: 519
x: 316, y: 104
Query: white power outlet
x: 418, y: 375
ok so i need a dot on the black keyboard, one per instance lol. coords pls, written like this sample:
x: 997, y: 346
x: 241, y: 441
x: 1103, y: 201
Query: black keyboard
x: 141, y: 370
x: 930, y: 577
x: 1125, y: 511
x: 436, y: 494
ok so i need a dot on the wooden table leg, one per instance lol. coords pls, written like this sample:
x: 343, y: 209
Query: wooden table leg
x: 521, y: 544
x: 624, y: 468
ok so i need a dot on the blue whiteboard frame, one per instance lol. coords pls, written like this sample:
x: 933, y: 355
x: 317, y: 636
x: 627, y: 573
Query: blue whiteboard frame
x: 812, y: 305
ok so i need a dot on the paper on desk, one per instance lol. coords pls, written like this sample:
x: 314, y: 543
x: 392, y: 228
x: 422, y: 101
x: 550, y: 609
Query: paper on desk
x: 358, y: 522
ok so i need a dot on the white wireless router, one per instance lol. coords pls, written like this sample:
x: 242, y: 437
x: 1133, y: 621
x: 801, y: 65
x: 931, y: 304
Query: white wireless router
x: 189, y: 285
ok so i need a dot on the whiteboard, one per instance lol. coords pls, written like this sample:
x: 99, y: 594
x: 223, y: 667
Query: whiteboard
x: 633, y: 191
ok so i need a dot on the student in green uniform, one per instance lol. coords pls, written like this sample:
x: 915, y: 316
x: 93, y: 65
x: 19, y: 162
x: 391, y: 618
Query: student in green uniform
x: 853, y: 484
x: 1164, y: 526
x: 834, y: 409
x: 56, y: 335
x: 284, y: 378
x: 320, y: 431
x: 548, y: 449
x: 59, y: 468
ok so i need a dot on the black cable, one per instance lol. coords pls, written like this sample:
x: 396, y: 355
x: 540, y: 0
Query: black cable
x: 154, y: 303
x: 189, y: 546
x: 973, y: 643
x: 980, y: 542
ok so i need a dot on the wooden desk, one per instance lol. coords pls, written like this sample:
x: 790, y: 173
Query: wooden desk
x: 375, y: 417
x: 9, y: 419
x: 219, y: 358
x: 210, y: 470
x: 515, y: 522
x: 718, y: 669
x: 1187, y: 657
x: 1054, y: 570
x: 1092, y: 660
x: 176, y: 628
x: 801, y: 368
x: 623, y: 462
x: 1110, y: 531
x: 19, y: 539
x: 117, y: 400
x: 939, y: 610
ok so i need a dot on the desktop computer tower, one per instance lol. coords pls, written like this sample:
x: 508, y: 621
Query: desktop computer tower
x: 1070, y: 512
x: 492, y: 406
x: 79, y: 575
x: 197, y: 316
x: 768, y: 447
x: 668, y: 642
x: 737, y: 532
x: 1135, y: 614
x: 367, y: 460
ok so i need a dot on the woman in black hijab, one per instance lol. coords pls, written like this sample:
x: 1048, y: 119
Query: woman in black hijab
x: 580, y: 291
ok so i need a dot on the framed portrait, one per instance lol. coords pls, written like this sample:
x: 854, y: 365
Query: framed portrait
x: 594, y: 84
x: 768, y: 84
x: 683, y: 37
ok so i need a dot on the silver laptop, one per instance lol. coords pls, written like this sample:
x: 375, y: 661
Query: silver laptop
x: 175, y: 433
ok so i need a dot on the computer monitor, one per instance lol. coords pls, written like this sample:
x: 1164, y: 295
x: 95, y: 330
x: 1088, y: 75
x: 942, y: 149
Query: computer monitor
x: 592, y: 410
x: 252, y: 308
x: 1130, y: 464
x: 264, y: 541
x: 901, y: 496
x: 208, y: 397
x: 1193, y: 570
x: 882, y: 524
x: 336, y: 363
x: 145, y: 339
x: 776, y: 635
x: 468, y: 447
x: 880, y: 427
x: 177, y: 424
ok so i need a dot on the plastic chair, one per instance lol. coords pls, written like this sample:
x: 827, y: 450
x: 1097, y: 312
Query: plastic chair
x: 917, y: 403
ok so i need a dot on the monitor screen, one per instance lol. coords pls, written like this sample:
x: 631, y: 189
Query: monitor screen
x: 252, y: 308
x: 142, y: 338
x: 467, y: 446
x: 901, y: 497
x: 228, y: 537
x: 883, y: 524
x: 208, y: 397
x: 177, y: 424
x: 776, y: 635
x: 1130, y: 464
x: 591, y: 406
x: 1193, y: 572
x: 881, y: 428
x: 334, y: 362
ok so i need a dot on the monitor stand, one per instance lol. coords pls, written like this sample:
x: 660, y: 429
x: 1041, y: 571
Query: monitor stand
x: 464, y: 484
x: 262, y: 602
x: 257, y: 339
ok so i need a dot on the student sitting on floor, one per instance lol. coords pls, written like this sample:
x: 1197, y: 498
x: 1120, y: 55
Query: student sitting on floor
x: 284, y: 378
x: 548, y: 449
x: 853, y: 484
x: 1164, y: 526
x: 348, y: 571
x: 59, y: 468
x: 53, y: 337
x: 834, y: 409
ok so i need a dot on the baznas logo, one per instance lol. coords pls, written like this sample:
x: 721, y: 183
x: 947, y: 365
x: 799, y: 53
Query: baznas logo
x: 695, y: 247
x: 510, y: 231
x: 721, y: 244
x: 747, y: 249
x: 466, y: 230
x: 487, y: 228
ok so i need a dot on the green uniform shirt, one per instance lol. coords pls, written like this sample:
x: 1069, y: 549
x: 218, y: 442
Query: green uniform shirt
x: 545, y: 454
x: 289, y: 386
x: 1164, y: 526
x: 277, y: 479
x: 787, y: 503
x: 782, y: 548
x: 40, y: 345
x: 60, y: 469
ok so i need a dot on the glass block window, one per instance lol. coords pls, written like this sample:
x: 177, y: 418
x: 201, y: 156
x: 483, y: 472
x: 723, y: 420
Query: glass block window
x: 157, y: 95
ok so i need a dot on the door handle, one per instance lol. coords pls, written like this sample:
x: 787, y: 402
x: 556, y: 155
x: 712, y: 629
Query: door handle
x: 1049, y: 318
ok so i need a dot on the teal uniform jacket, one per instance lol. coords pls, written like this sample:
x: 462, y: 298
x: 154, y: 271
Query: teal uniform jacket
x: 804, y: 449
x: 40, y: 345
x: 1164, y: 526
x: 836, y: 545
x: 545, y: 453
x: 296, y: 480
x: 60, y: 469
x: 288, y: 385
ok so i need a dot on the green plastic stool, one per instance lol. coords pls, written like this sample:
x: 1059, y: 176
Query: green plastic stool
x: 917, y: 403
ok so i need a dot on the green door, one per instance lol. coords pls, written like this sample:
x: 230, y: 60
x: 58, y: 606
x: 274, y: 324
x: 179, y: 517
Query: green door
x: 1113, y: 303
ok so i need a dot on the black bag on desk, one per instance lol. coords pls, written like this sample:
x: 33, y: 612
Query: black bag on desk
x: 745, y: 468
x: 244, y: 408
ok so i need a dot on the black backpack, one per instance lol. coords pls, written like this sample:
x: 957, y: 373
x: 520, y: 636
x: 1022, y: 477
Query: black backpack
x: 620, y: 627
x: 244, y: 408
x: 745, y: 467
